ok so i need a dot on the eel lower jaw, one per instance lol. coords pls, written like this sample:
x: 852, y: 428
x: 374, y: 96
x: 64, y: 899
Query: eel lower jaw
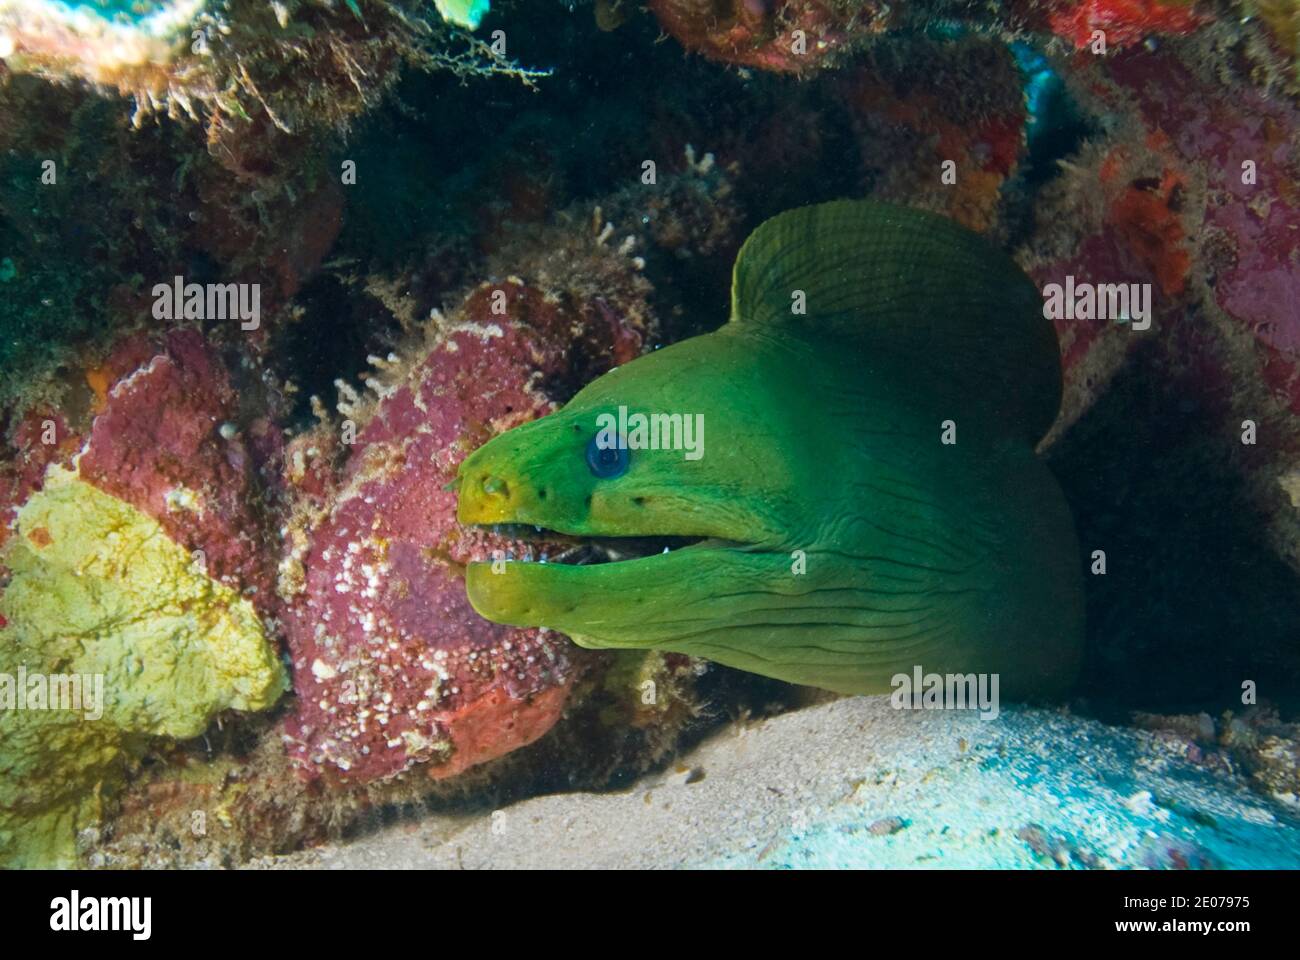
x: 587, y: 574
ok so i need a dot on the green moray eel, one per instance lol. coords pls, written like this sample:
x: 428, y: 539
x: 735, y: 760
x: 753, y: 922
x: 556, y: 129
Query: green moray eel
x: 868, y: 499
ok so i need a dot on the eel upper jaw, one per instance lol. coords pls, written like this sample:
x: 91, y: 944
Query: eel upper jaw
x: 531, y: 522
x: 582, y: 549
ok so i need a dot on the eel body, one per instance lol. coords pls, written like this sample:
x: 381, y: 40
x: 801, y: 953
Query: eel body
x: 851, y: 471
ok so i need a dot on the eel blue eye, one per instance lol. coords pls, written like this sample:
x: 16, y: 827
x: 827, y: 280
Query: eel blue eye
x: 606, y: 462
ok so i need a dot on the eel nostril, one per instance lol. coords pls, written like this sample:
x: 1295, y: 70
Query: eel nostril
x: 496, y: 487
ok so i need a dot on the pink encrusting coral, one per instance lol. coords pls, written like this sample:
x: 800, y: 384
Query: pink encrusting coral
x: 1123, y: 205
x: 1245, y: 147
x: 157, y: 424
x: 169, y: 441
x: 1121, y: 23
x: 1198, y: 200
x: 391, y: 664
x: 38, y: 437
x: 784, y: 36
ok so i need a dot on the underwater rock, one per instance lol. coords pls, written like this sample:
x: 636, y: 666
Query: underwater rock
x: 958, y: 102
x: 464, y: 13
x: 86, y: 236
x: 99, y: 43
x: 159, y: 424
x: 266, y: 205
x: 1115, y: 216
x: 135, y: 578
x: 300, y: 65
x: 1244, y: 146
x: 1122, y: 23
x: 784, y: 36
x: 797, y: 36
x: 1283, y: 20
x: 646, y: 689
x: 169, y: 441
x: 1267, y: 749
x: 1254, y: 742
x: 391, y: 665
x: 1213, y: 219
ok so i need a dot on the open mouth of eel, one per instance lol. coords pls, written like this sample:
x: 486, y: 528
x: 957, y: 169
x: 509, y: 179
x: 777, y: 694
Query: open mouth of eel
x: 536, y: 544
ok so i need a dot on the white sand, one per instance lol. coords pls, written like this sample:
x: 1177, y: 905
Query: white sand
x: 806, y: 788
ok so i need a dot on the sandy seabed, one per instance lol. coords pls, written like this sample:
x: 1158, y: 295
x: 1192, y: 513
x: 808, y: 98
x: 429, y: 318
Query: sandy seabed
x: 856, y: 783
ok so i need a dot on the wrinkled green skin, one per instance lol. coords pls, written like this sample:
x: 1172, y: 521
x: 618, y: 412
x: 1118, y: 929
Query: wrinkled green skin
x: 958, y: 558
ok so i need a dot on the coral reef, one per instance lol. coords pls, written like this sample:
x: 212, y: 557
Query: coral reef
x: 1195, y: 196
x: 98, y: 42
x: 1104, y: 196
x: 241, y: 62
x: 1283, y: 20
x: 1181, y: 187
x: 391, y: 666
x: 1242, y: 151
x: 194, y: 451
x: 86, y: 240
x: 1254, y: 742
x: 929, y: 133
x: 130, y: 603
x: 786, y: 36
x: 214, y: 484
x: 1122, y: 23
